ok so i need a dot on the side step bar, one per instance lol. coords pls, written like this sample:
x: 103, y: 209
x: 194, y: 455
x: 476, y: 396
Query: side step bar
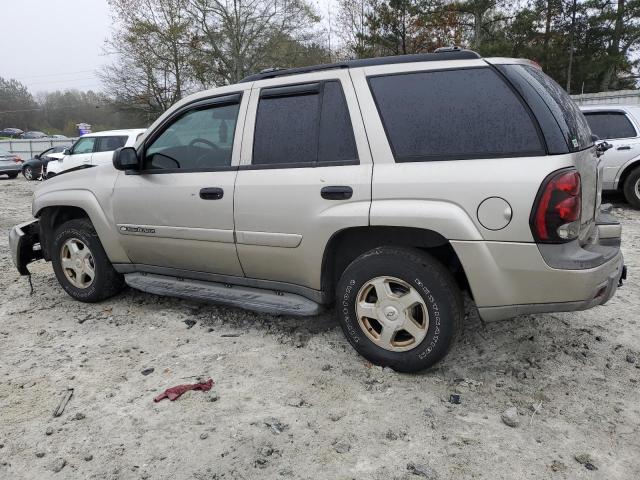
x: 259, y: 300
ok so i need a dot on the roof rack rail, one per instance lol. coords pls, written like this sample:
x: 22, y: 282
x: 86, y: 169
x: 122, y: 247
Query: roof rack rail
x: 444, y: 53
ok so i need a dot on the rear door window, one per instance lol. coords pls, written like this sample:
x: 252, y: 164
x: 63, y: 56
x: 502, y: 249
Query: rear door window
x: 109, y: 144
x: 303, y: 125
x: 610, y: 125
x: 454, y: 114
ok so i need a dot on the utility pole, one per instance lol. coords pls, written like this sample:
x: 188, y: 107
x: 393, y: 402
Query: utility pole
x: 573, y: 29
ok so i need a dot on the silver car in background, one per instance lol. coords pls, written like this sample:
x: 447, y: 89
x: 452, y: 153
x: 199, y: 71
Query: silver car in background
x: 619, y: 125
x: 10, y: 164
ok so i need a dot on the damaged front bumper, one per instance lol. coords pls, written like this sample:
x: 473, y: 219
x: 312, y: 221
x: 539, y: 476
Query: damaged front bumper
x: 24, y: 242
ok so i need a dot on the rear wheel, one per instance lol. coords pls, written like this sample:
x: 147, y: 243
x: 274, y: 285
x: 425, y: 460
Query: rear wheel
x: 399, y: 307
x: 28, y: 172
x: 81, y: 264
x: 631, y: 188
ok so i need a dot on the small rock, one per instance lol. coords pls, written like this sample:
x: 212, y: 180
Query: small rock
x: 558, y: 466
x: 213, y: 397
x: 79, y: 416
x: 204, y: 436
x: 297, y: 402
x: 275, y: 425
x: 190, y: 323
x: 147, y: 371
x: 48, y: 431
x: 586, y: 460
x: 510, y: 417
x: 261, y: 463
x: 391, y: 435
x: 454, y: 398
x: 342, y: 446
x: 631, y: 358
x: 335, y: 416
x: 39, y: 454
x: 57, y: 465
x: 326, y: 367
x: 267, y: 451
x: 88, y: 457
x: 422, y: 471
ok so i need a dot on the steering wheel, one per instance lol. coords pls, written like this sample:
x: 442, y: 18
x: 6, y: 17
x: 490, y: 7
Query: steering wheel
x: 205, y: 141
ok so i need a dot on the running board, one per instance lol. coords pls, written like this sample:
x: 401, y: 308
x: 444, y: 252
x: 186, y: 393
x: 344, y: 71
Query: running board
x: 259, y: 300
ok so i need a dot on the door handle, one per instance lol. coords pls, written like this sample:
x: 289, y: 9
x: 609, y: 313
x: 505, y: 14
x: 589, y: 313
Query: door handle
x: 624, y: 147
x: 336, y: 192
x: 211, y: 193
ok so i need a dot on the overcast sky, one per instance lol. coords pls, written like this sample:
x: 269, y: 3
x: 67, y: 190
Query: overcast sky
x: 53, y: 44
x: 58, y: 44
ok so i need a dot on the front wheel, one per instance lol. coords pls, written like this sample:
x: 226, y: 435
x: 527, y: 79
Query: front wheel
x: 28, y: 172
x: 81, y: 264
x: 631, y: 188
x: 399, y: 308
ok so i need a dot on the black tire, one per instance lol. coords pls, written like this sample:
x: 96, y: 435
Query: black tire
x: 429, y: 278
x: 106, y: 282
x: 631, y: 188
x: 12, y: 175
x: 27, y: 172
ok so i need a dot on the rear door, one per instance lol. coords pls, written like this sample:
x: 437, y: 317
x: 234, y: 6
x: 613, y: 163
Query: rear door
x: 105, y: 146
x: 616, y: 127
x: 305, y: 174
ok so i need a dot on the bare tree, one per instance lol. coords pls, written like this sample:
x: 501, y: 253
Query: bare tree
x: 153, y: 43
x: 238, y: 37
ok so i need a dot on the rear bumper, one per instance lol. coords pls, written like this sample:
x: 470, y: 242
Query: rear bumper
x: 509, y: 279
x: 24, y: 243
x: 11, y: 169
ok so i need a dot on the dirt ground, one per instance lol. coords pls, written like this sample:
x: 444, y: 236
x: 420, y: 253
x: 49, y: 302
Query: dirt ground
x: 292, y: 399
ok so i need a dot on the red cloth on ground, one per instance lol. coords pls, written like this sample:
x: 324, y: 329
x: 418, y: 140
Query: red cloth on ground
x: 175, y: 392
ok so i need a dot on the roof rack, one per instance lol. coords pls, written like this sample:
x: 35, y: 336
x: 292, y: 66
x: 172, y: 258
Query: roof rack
x: 444, y: 53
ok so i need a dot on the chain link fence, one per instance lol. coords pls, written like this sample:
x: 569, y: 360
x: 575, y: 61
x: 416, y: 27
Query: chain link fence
x: 26, y: 149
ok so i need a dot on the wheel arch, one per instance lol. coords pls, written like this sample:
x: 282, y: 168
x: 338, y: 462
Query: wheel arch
x: 55, y: 208
x: 626, y: 171
x: 348, y: 244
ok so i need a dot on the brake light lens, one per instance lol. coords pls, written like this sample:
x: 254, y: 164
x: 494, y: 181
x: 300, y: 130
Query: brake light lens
x: 17, y: 159
x: 556, y: 214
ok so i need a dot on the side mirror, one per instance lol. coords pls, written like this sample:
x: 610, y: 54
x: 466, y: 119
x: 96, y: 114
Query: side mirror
x: 66, y: 151
x: 37, y: 156
x: 126, y: 158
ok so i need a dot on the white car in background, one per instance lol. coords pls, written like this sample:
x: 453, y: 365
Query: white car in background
x: 619, y: 125
x: 93, y: 149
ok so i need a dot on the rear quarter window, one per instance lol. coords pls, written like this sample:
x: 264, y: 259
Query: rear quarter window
x: 454, y: 114
x: 568, y: 117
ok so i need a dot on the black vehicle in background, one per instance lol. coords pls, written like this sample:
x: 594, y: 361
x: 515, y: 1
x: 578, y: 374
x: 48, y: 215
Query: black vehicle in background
x: 33, y: 168
x: 10, y: 133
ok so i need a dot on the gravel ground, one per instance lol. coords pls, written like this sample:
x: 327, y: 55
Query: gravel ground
x: 291, y: 398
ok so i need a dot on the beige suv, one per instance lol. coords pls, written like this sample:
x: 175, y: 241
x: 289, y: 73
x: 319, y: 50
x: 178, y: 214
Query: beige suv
x: 386, y: 187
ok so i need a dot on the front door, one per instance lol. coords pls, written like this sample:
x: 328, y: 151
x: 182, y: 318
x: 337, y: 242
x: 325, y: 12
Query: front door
x: 81, y: 153
x: 304, y: 175
x: 177, y: 213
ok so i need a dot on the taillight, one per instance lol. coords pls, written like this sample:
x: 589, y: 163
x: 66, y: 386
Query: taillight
x: 556, y: 213
x: 17, y: 159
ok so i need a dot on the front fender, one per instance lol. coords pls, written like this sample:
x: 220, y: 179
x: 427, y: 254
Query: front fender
x: 85, y: 200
